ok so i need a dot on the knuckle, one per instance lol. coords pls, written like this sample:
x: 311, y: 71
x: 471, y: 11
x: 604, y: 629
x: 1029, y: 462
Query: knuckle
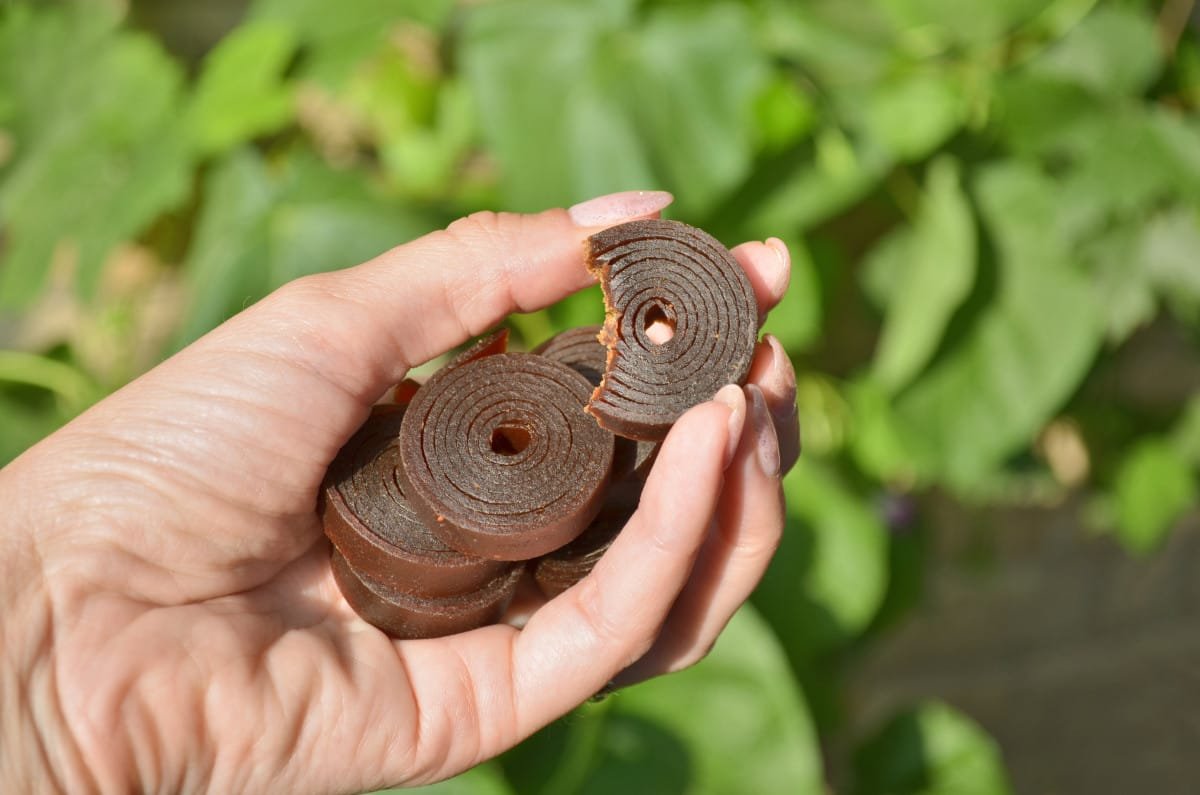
x: 593, y: 615
x: 482, y: 227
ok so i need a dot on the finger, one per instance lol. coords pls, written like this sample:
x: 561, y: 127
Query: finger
x: 769, y: 267
x: 772, y: 371
x: 734, y: 556
x: 497, y: 685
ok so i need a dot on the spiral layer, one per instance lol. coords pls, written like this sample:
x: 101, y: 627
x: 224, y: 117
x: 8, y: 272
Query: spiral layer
x: 499, y: 459
x: 371, y: 523
x: 673, y: 274
x: 580, y: 349
x: 562, y: 568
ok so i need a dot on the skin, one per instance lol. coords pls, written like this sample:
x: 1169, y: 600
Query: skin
x: 170, y: 623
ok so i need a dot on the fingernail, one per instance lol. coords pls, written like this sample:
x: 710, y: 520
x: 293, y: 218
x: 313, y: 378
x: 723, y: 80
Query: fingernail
x: 731, y: 395
x: 617, y: 207
x: 766, y: 444
x: 784, y: 275
x: 782, y: 380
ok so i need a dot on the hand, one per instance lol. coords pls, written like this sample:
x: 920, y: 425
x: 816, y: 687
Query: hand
x: 169, y: 618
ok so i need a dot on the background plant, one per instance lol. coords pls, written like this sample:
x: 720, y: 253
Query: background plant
x: 987, y: 204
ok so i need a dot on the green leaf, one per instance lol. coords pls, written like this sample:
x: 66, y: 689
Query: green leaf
x: 75, y: 389
x: 582, y: 99
x: 1122, y: 279
x: 226, y: 265
x: 98, y: 148
x: 784, y: 114
x: 26, y: 422
x: 1185, y: 436
x: 841, y: 43
x: 912, y: 114
x: 932, y: 284
x: 739, y: 715
x: 796, y: 321
x: 340, y: 36
x: 830, y: 574
x: 930, y: 750
x: 241, y: 93
x: 733, y: 723
x: 1167, y: 254
x: 877, y: 438
x: 953, y: 22
x: 1000, y: 380
x: 1034, y: 112
x: 815, y: 190
x: 260, y: 229
x: 1154, y: 487
x: 485, y: 779
x: 1114, y: 50
x: 1127, y: 161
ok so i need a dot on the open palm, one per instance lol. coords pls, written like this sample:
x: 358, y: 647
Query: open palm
x: 170, y: 621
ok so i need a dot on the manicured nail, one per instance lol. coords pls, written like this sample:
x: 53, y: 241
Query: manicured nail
x: 731, y: 395
x: 766, y: 444
x: 784, y: 275
x: 781, y: 379
x: 617, y: 207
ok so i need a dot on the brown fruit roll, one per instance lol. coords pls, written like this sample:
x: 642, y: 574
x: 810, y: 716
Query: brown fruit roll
x: 498, y: 458
x: 407, y: 616
x: 372, y: 524
x: 669, y: 272
x: 562, y: 568
x: 581, y: 350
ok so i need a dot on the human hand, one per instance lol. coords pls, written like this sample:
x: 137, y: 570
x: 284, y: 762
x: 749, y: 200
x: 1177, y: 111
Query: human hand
x: 170, y: 622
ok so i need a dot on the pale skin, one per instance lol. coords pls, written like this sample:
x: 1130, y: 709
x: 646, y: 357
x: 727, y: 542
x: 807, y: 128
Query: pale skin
x: 168, y: 620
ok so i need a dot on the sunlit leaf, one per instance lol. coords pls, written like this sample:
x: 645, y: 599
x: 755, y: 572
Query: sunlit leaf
x: 816, y: 189
x: 1114, y: 50
x: 937, y: 278
x: 998, y: 382
x: 796, y: 321
x: 1122, y: 279
x: 952, y: 21
x: 830, y: 574
x: 26, y: 422
x: 877, y: 439
x: 842, y: 43
x: 340, y: 35
x: 241, y: 92
x: 733, y: 723
x: 226, y: 266
x: 261, y: 228
x: 1185, y: 436
x: 784, y: 114
x: 1155, y: 486
x: 930, y: 750
x: 1034, y: 112
x: 583, y: 99
x: 911, y: 114
x: 99, y: 151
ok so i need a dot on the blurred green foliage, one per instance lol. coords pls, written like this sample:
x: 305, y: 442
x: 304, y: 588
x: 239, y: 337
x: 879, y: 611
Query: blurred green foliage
x: 988, y: 205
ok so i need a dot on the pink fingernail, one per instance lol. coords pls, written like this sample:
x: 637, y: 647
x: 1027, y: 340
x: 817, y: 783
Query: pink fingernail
x: 766, y: 443
x: 731, y: 395
x: 617, y: 207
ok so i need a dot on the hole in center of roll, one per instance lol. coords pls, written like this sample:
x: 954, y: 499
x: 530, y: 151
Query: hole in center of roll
x: 658, y: 325
x: 509, y: 440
